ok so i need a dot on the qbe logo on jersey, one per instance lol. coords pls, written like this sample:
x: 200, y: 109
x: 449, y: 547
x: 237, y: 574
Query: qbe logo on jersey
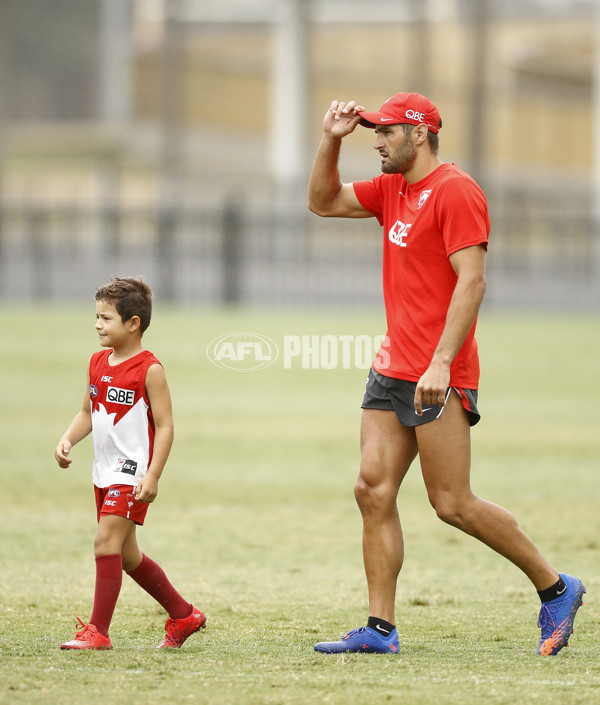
x: 120, y: 396
x: 242, y: 352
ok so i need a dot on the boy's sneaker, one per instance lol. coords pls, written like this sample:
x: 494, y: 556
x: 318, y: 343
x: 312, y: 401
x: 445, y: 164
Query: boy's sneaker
x: 178, y: 630
x: 87, y: 638
x: 362, y: 640
x: 557, y: 616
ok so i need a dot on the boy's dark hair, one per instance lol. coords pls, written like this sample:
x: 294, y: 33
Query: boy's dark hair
x: 131, y: 297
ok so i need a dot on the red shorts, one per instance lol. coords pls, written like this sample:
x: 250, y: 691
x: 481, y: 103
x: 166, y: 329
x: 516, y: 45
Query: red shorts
x: 120, y: 500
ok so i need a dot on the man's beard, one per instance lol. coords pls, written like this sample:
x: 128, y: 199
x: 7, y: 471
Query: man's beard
x: 402, y: 161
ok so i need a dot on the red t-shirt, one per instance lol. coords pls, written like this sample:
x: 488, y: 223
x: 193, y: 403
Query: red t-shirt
x: 423, y: 224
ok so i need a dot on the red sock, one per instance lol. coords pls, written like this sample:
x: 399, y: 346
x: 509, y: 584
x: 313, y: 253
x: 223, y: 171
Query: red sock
x: 152, y: 578
x: 109, y: 576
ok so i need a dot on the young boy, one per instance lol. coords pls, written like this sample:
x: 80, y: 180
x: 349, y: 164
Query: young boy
x: 127, y: 405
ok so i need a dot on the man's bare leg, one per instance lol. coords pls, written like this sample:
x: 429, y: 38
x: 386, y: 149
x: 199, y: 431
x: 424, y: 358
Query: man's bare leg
x: 445, y: 454
x: 387, y: 451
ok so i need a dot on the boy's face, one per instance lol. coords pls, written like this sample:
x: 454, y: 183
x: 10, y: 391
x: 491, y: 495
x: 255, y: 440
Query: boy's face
x: 112, y: 331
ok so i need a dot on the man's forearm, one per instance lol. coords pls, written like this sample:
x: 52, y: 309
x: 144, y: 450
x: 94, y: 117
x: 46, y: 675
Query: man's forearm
x: 462, y: 312
x: 325, y: 183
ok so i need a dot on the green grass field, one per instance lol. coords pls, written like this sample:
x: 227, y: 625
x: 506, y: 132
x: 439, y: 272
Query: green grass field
x: 256, y: 523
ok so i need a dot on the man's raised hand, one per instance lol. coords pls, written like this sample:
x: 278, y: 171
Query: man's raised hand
x: 341, y: 118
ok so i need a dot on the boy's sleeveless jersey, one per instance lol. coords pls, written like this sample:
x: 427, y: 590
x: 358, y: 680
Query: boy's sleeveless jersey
x: 122, y: 422
x: 423, y: 224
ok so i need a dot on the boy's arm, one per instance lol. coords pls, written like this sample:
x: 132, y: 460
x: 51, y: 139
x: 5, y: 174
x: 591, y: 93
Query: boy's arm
x: 78, y: 429
x: 160, y: 403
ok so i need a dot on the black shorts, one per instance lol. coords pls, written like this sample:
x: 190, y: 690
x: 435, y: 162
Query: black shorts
x: 391, y: 394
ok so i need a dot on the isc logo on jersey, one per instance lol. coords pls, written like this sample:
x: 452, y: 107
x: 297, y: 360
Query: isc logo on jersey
x: 120, y: 396
x: 129, y: 467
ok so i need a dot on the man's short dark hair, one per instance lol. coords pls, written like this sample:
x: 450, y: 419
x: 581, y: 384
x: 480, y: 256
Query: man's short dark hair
x: 433, y: 139
x: 131, y: 297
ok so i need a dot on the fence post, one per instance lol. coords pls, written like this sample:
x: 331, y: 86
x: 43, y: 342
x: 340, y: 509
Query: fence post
x: 40, y: 254
x: 231, y: 252
x: 165, y: 247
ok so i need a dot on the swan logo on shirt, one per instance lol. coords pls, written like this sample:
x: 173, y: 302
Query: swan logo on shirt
x: 399, y: 232
x: 424, y: 196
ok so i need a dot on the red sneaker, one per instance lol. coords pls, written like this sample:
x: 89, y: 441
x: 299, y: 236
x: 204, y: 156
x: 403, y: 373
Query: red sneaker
x: 178, y: 630
x: 87, y: 638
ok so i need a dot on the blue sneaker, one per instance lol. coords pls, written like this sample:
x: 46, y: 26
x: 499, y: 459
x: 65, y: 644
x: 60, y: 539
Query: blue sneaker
x: 362, y: 640
x: 557, y: 616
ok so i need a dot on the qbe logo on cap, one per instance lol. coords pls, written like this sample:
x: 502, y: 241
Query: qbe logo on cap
x: 415, y: 115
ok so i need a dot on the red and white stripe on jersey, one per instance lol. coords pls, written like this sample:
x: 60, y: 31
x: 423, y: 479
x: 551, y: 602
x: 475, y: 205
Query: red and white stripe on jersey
x: 122, y: 422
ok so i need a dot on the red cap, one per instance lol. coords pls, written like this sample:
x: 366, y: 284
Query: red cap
x: 412, y: 108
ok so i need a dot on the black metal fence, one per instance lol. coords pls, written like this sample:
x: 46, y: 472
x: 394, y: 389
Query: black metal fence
x: 543, y: 253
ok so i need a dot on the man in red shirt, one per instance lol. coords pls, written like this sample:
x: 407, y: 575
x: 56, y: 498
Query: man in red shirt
x: 421, y: 393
